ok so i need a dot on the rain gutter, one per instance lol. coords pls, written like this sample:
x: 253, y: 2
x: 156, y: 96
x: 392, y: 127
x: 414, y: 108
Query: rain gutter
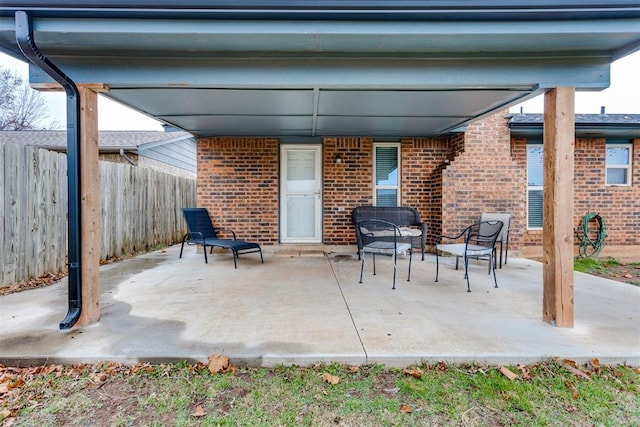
x: 26, y: 43
x: 466, y: 10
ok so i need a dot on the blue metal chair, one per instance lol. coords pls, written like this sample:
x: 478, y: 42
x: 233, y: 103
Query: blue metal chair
x: 202, y: 232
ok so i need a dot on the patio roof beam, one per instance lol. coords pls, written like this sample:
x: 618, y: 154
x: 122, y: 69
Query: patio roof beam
x: 332, y: 73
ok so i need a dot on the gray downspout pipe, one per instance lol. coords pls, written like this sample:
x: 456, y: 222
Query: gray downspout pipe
x: 26, y: 42
x: 124, y: 156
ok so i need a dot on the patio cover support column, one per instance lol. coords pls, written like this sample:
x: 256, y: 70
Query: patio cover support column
x: 557, y: 234
x: 90, y: 205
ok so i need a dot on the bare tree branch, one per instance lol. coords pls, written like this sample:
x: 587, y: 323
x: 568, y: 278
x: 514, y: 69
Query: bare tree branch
x: 21, y: 108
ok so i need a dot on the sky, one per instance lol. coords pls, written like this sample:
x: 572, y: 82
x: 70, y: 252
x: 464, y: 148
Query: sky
x: 622, y: 97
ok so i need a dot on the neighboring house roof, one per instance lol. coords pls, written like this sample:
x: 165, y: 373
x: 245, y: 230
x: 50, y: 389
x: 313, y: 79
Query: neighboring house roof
x: 108, y: 141
x: 174, y: 148
x: 619, y: 126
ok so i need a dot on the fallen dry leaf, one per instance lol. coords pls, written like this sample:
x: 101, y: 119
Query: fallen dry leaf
x: 406, y: 409
x: 218, y: 363
x: 577, y: 372
x: 414, y: 372
x: 199, y: 412
x: 507, y: 373
x: 331, y: 379
x: 442, y: 366
x: 525, y: 372
x: 595, y: 365
x: 354, y: 369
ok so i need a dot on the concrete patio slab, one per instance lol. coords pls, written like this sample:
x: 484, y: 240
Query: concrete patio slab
x: 303, y: 308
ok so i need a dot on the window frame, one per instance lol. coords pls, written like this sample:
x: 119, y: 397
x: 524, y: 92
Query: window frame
x: 628, y: 167
x: 535, y: 144
x: 396, y: 187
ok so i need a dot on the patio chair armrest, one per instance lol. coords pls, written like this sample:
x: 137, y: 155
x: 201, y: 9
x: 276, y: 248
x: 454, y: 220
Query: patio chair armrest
x: 193, y: 235
x: 233, y: 233
x: 439, y: 238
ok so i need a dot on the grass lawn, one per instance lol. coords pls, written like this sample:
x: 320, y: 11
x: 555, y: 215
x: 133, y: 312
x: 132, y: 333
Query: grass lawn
x: 553, y: 392
x: 610, y: 268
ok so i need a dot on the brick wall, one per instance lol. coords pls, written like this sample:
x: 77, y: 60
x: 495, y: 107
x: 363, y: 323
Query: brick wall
x: 485, y: 176
x: 618, y: 206
x: 350, y: 183
x: 238, y: 183
x: 423, y: 160
x: 346, y: 185
x: 450, y: 181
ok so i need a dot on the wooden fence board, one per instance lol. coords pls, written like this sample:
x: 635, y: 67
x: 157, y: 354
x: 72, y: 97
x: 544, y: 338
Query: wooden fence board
x: 139, y: 208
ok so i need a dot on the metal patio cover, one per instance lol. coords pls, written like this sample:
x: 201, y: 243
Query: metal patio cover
x: 303, y: 70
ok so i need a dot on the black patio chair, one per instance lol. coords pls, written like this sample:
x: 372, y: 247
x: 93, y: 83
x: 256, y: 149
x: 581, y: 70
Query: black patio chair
x: 479, y: 243
x: 383, y: 238
x: 202, y: 232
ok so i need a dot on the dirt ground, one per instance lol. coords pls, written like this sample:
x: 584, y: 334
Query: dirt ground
x: 627, y: 273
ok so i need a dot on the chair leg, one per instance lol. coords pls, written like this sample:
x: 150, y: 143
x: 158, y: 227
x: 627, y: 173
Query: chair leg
x: 204, y: 249
x: 437, y: 265
x: 235, y: 258
x: 495, y: 281
x: 506, y: 251
x: 261, y: 259
x: 466, y: 272
x: 410, y: 257
x: 374, y: 264
x: 361, y: 266
x: 394, y: 271
x: 182, y: 247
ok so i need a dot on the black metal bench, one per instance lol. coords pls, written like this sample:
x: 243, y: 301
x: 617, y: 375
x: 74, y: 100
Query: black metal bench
x: 406, y: 218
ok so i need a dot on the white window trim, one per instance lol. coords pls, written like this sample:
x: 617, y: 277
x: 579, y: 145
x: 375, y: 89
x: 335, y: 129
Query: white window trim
x: 387, y: 187
x: 533, y: 187
x: 627, y: 166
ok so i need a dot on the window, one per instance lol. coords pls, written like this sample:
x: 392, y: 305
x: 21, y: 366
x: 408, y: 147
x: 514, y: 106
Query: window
x: 386, y: 168
x: 619, y: 164
x: 534, y: 185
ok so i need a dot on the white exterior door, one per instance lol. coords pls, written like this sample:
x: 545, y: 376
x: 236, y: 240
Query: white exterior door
x: 301, y: 194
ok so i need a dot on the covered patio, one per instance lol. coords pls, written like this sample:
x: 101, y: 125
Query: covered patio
x: 303, y: 71
x: 308, y: 307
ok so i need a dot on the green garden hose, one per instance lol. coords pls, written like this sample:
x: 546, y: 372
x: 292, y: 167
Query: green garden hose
x: 591, y: 239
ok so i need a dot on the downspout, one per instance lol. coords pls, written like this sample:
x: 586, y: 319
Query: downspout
x: 124, y: 156
x: 26, y: 42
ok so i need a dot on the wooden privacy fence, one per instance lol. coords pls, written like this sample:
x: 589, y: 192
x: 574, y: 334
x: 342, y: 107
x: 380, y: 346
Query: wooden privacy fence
x: 139, y: 208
